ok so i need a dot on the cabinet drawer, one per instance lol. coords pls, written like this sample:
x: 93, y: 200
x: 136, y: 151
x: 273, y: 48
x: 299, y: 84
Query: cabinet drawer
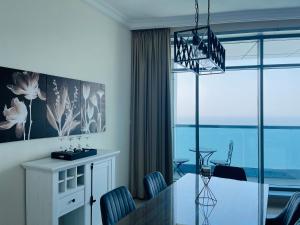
x: 70, y: 202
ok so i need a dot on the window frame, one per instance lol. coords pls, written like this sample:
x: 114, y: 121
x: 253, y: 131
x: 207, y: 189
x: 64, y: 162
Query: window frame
x: 260, y: 38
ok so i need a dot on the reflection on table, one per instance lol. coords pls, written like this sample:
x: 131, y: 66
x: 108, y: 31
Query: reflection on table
x: 237, y: 204
x: 178, y: 164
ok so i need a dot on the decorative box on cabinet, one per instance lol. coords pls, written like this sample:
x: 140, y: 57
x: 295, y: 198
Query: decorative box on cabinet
x: 62, y: 192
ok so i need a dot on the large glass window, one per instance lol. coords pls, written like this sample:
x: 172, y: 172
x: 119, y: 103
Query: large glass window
x: 241, y: 53
x: 228, y: 112
x: 282, y: 51
x: 282, y: 126
x: 184, y: 117
x: 229, y: 108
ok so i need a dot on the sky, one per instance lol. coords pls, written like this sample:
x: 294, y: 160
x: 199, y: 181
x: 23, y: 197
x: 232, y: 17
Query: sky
x: 231, y: 98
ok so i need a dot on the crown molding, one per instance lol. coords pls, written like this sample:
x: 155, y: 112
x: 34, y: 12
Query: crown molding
x: 183, y: 21
x: 218, y: 18
x: 108, y: 10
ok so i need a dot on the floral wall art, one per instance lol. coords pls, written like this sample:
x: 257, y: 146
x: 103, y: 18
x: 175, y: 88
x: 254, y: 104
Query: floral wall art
x: 63, y: 106
x: 35, y: 105
x: 23, y: 96
x: 92, y: 107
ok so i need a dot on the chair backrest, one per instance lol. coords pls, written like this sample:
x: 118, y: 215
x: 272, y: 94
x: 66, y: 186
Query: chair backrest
x: 230, y: 150
x: 230, y: 172
x: 115, y: 205
x: 154, y: 183
x: 291, y: 212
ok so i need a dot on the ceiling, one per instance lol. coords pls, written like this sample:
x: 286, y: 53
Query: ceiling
x: 140, y: 9
x: 156, y: 13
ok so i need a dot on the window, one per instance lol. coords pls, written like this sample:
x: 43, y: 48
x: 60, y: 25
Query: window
x: 228, y: 108
x: 282, y: 51
x: 240, y: 53
x: 282, y: 131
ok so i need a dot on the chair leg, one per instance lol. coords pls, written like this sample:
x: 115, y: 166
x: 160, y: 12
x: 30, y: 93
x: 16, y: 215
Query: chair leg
x: 179, y: 169
x: 174, y: 167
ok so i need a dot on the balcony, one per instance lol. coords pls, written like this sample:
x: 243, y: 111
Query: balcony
x: 281, y: 148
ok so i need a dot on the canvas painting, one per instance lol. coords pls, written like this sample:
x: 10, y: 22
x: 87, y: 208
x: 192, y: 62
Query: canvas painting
x: 22, y: 105
x: 35, y: 105
x: 92, y: 107
x: 63, y: 106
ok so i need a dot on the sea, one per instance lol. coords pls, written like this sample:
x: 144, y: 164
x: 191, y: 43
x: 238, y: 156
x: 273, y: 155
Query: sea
x: 281, y: 147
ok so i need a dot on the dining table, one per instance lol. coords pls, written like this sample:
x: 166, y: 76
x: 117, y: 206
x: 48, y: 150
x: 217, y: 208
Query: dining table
x: 237, y: 203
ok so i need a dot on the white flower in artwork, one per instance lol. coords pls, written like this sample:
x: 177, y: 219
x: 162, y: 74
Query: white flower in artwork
x: 86, y: 91
x: 15, y: 115
x: 61, y: 115
x: 93, y: 100
x: 55, y: 114
x: 90, y: 111
x: 91, y: 119
x: 27, y: 84
x: 100, y: 94
x: 99, y: 121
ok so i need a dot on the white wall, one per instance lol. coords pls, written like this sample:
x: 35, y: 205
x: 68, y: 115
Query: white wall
x: 65, y: 38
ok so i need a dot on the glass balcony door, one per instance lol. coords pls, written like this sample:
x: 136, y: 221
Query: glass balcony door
x: 229, y: 110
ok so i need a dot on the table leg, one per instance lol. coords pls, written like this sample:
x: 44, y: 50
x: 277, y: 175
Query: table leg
x: 208, y: 157
x: 201, y: 160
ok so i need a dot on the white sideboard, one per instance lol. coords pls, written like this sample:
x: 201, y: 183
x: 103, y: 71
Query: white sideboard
x: 62, y: 192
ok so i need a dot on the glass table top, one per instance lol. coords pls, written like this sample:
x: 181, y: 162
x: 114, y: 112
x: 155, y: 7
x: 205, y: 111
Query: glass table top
x: 236, y: 204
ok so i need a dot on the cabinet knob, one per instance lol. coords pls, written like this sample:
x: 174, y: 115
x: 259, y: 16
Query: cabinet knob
x: 73, y: 200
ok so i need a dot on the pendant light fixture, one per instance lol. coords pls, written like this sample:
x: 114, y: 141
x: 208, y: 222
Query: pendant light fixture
x: 199, y: 49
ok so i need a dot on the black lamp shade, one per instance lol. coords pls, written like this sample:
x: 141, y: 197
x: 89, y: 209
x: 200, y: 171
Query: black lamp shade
x: 199, y: 50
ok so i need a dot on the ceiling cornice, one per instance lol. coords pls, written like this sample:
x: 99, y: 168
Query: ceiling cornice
x: 183, y: 21
x: 218, y: 18
x: 108, y: 10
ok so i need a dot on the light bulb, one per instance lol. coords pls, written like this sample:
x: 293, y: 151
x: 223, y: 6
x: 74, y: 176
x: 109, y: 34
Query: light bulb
x: 206, y: 64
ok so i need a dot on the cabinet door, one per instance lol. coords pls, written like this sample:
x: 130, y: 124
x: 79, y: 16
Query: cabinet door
x: 102, y: 183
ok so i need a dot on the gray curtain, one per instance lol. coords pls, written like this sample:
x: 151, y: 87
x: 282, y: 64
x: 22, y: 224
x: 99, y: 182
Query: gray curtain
x: 151, y: 131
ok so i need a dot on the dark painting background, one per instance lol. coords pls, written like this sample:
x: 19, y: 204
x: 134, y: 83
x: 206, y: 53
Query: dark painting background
x: 53, y: 95
x: 97, y: 90
x: 38, y: 107
x: 41, y: 127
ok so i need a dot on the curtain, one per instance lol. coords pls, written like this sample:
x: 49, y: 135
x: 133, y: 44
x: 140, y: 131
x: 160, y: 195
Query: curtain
x: 151, y: 131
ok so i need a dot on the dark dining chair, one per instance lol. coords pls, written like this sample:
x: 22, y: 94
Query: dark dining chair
x: 227, y: 161
x: 154, y: 183
x: 290, y: 214
x: 230, y: 172
x: 115, y: 205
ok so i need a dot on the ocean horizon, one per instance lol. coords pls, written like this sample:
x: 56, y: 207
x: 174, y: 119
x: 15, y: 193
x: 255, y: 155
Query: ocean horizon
x: 281, y: 147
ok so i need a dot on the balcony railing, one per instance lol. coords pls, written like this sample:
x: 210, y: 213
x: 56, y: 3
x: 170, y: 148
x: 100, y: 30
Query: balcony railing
x: 281, y: 149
